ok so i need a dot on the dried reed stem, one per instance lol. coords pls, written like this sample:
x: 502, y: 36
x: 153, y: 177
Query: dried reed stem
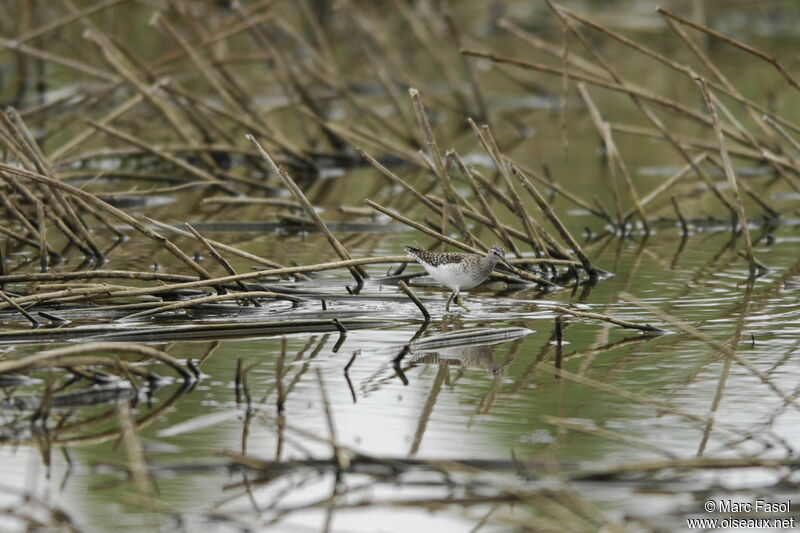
x: 733, y: 42
x: 439, y: 167
x: 357, y: 272
x: 215, y: 254
x: 225, y: 247
x: 553, y: 218
x: 413, y: 297
x: 71, y: 294
x: 729, y: 173
x: 606, y: 318
x: 246, y: 295
x: 34, y: 323
x: 722, y: 348
x: 684, y: 226
x: 613, y: 155
x: 532, y: 229
x: 44, y: 357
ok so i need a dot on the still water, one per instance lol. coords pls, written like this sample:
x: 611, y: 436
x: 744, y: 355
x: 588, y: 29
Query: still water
x: 498, y: 400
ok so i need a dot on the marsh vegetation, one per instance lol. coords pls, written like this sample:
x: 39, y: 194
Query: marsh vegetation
x: 209, y: 321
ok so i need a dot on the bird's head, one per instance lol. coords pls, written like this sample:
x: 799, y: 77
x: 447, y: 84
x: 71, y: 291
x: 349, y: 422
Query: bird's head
x: 496, y: 253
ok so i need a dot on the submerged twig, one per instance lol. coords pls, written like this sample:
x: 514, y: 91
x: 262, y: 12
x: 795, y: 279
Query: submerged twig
x: 607, y: 318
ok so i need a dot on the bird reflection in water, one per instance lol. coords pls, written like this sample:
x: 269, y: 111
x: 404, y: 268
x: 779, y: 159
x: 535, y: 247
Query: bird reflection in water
x: 473, y: 355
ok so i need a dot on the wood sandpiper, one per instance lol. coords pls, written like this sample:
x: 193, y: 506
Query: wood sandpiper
x: 457, y: 270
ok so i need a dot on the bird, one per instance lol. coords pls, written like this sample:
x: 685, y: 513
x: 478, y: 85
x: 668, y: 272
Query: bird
x: 456, y: 270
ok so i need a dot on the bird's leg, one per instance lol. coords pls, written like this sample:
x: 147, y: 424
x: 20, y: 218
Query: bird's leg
x: 461, y: 305
x: 447, y: 307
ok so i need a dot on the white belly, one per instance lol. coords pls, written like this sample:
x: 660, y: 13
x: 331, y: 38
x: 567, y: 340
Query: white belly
x: 453, y: 277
